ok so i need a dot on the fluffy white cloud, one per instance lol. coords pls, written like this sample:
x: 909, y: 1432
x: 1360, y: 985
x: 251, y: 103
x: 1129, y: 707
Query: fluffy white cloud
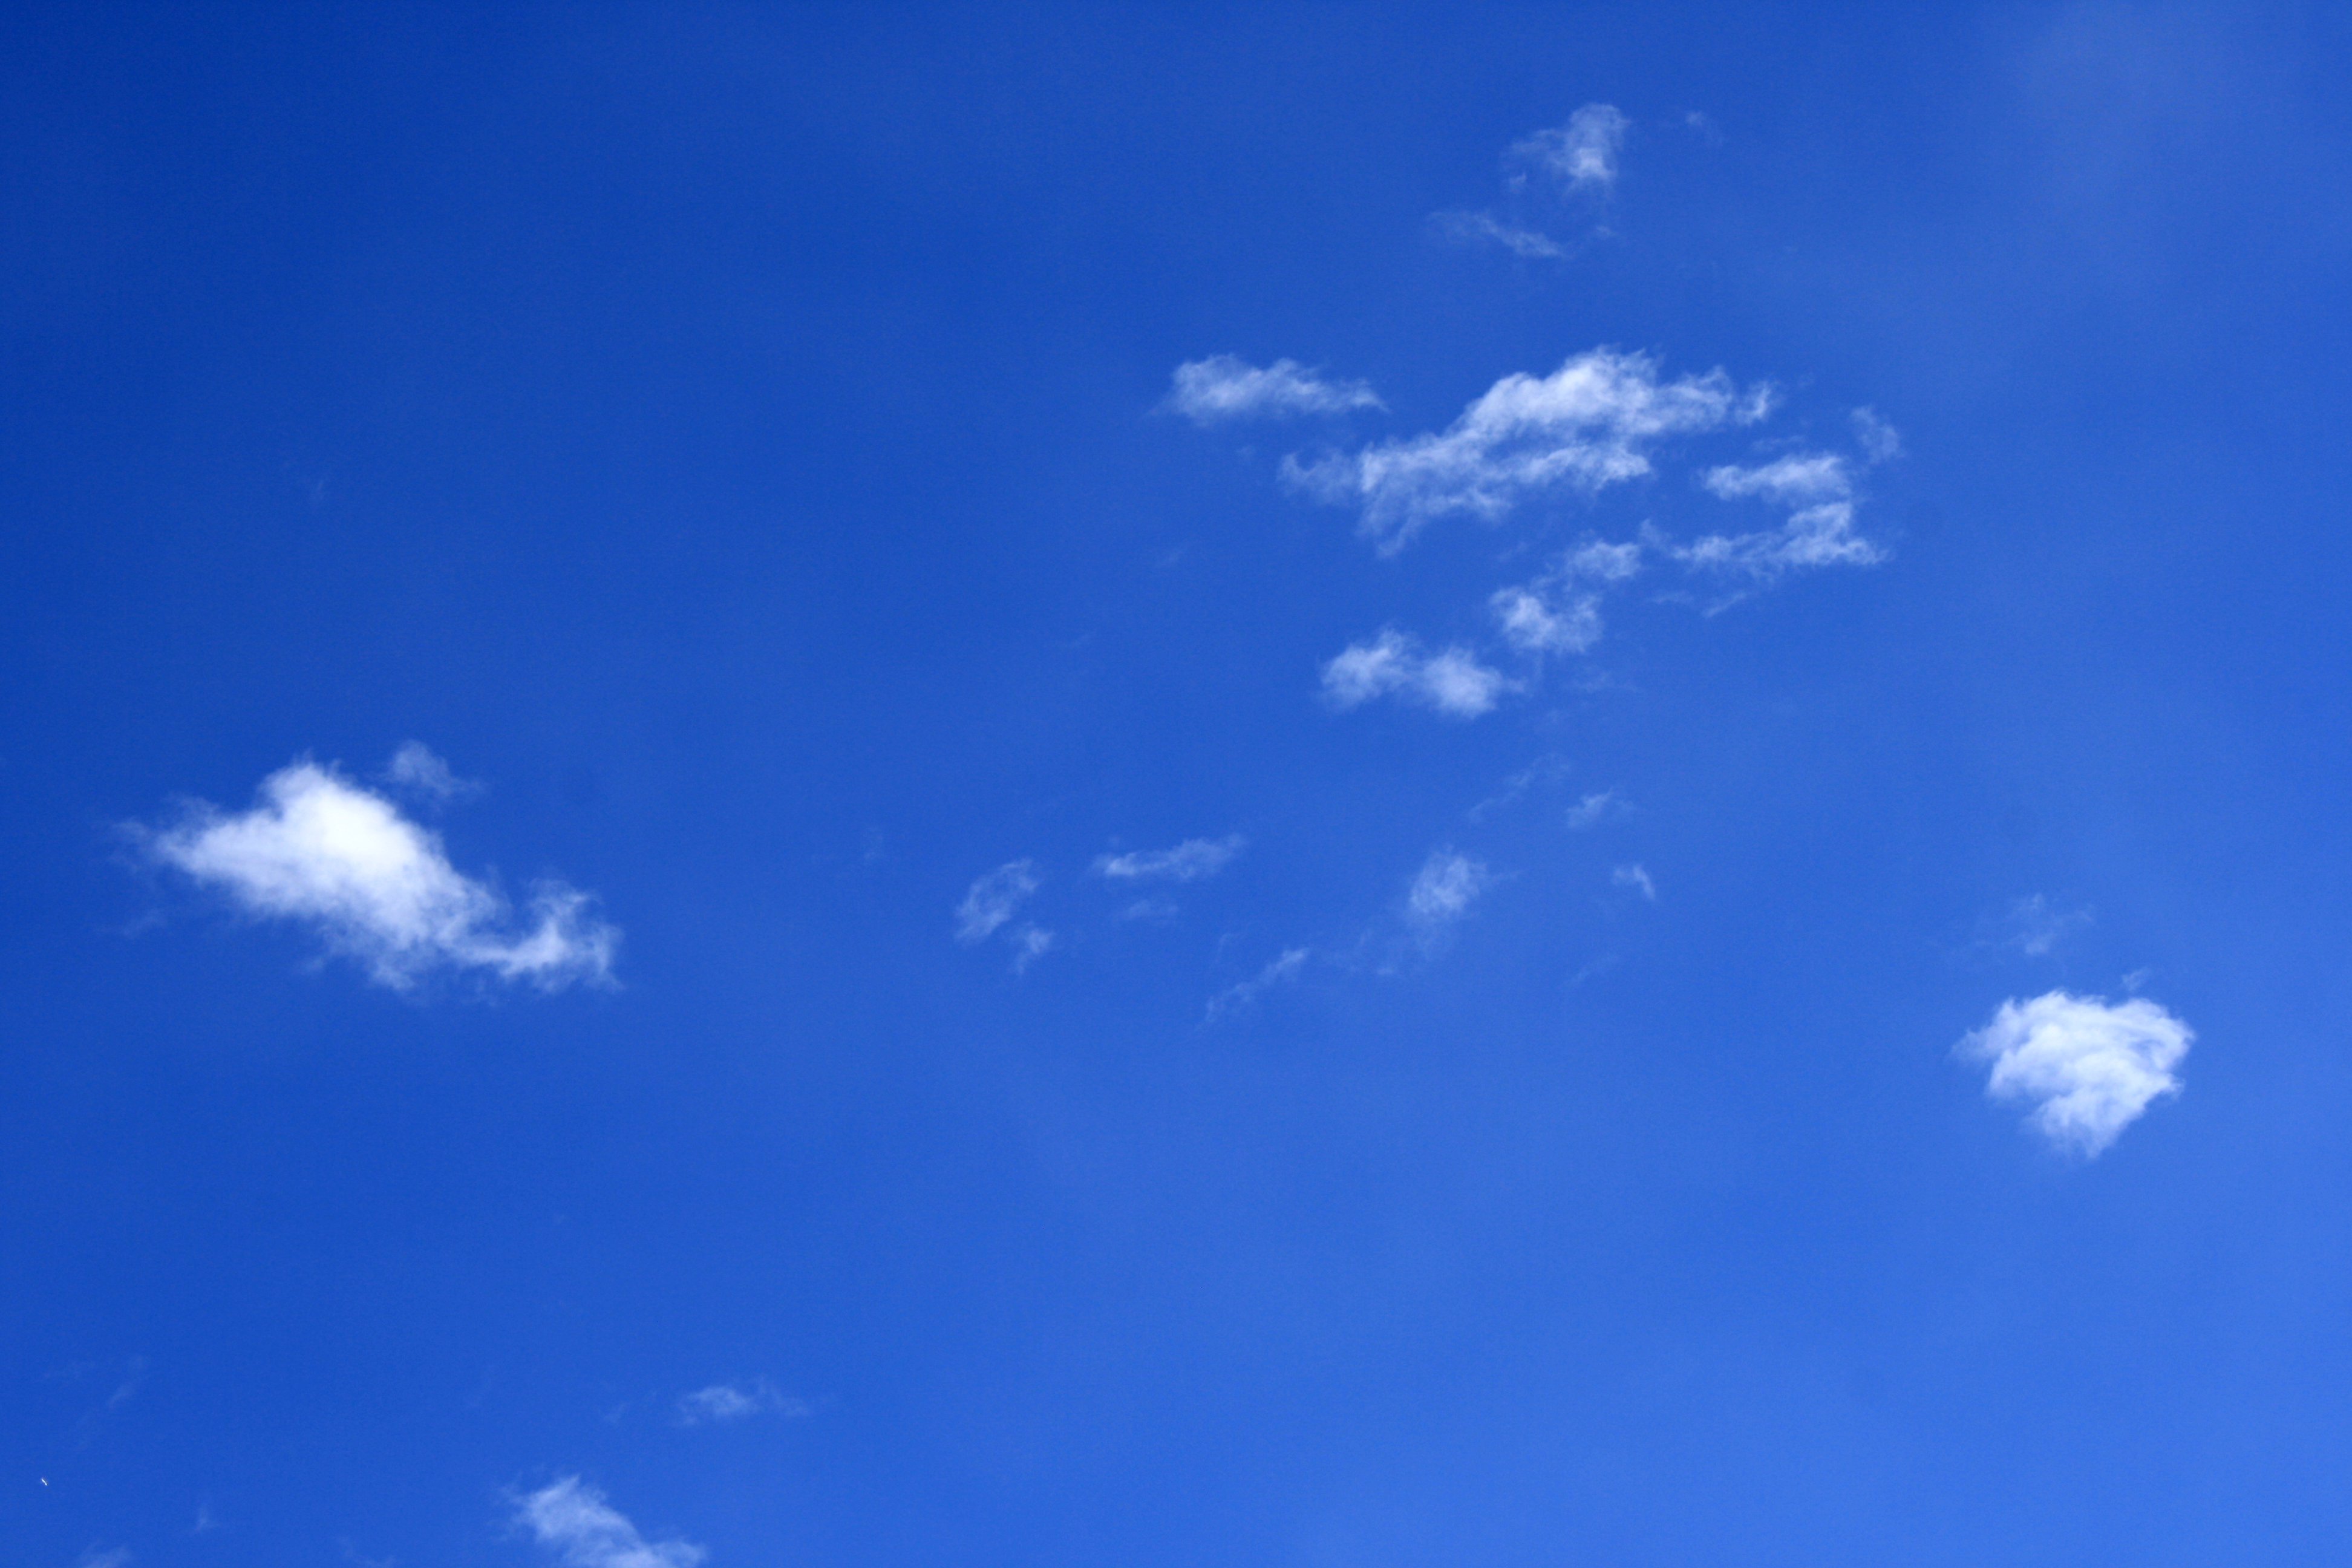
x: 1485, y: 228
x: 378, y: 887
x: 1222, y: 387
x: 994, y: 900
x: 573, y: 1520
x: 2088, y: 1066
x: 1189, y: 861
x: 1819, y: 533
x: 1580, y: 155
x: 1798, y: 479
x: 736, y: 1402
x: 1588, y: 425
x: 1444, y: 889
x: 1452, y: 681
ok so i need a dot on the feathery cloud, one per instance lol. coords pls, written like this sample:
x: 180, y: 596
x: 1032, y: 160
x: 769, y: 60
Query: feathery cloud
x: 1589, y: 424
x: 1485, y: 228
x: 1819, y: 533
x: 1452, y: 681
x: 415, y: 767
x: 573, y: 1520
x: 1245, y: 993
x: 994, y: 900
x: 1595, y: 808
x: 723, y: 1402
x: 1191, y: 861
x: 1580, y: 155
x: 2089, y: 1066
x: 1444, y: 889
x: 1222, y: 387
x: 1637, y: 876
x: 377, y: 888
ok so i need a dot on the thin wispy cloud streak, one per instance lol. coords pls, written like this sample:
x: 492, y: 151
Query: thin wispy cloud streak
x: 990, y: 905
x: 1223, y: 388
x: 326, y: 853
x: 2088, y: 1067
x: 1195, y: 860
x: 1485, y: 228
x: 572, y: 1519
x: 722, y: 1403
x: 1245, y: 994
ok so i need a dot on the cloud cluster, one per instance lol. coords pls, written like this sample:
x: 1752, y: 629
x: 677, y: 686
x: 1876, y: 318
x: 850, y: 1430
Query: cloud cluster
x: 991, y: 903
x: 2089, y: 1066
x: 1223, y: 388
x: 1590, y: 424
x: 1193, y: 860
x: 1818, y: 487
x: 573, y: 1520
x: 1450, y: 681
x: 378, y: 887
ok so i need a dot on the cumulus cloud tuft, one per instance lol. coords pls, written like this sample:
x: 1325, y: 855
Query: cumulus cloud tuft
x: 1444, y: 889
x: 723, y: 1402
x: 378, y: 887
x: 1452, y: 681
x: 1222, y: 387
x: 573, y: 1520
x: 1191, y: 861
x: 994, y: 900
x: 1588, y: 425
x: 2089, y: 1066
x: 1580, y: 155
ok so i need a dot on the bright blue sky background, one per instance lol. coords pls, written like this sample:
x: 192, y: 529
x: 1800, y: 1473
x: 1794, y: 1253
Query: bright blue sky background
x: 735, y: 440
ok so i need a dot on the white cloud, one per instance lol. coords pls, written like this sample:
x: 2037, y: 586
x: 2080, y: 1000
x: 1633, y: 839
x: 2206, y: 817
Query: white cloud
x: 1798, y: 479
x: 1588, y: 425
x: 733, y: 1402
x: 1880, y: 441
x: 415, y: 767
x: 1222, y: 387
x: 118, y: 1557
x: 1444, y: 889
x: 1248, y: 992
x: 1485, y: 228
x: 994, y: 900
x: 573, y: 1520
x: 1534, y: 625
x: 378, y: 887
x: 1189, y: 861
x: 2089, y: 1066
x: 1595, y: 808
x: 2035, y: 929
x: 1636, y: 878
x: 1030, y: 943
x: 1582, y: 154
x: 1452, y: 681
x: 1819, y: 533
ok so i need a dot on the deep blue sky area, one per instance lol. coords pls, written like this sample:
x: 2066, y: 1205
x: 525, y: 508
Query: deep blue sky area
x: 1297, y: 786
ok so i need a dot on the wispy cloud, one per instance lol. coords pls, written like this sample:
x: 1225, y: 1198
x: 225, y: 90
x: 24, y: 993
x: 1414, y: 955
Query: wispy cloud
x: 573, y: 1520
x: 1452, y: 681
x: 1637, y: 876
x: 1879, y: 441
x: 416, y: 768
x: 378, y: 887
x: 994, y: 900
x: 1222, y: 387
x: 1580, y: 156
x: 1485, y: 228
x: 113, y: 1557
x: 1444, y: 888
x: 1245, y: 994
x: 1191, y: 861
x: 1595, y: 808
x: 2089, y: 1066
x: 725, y: 1402
x: 1820, y: 530
x: 2035, y: 927
x: 1590, y: 424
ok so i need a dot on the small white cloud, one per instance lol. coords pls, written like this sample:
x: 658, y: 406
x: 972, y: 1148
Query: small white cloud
x: 2089, y: 1066
x: 723, y: 1402
x: 1246, y: 993
x: 1879, y: 441
x: 1536, y: 625
x: 994, y: 900
x: 1636, y: 878
x: 1030, y: 943
x: 1582, y: 155
x: 1589, y: 424
x: 1191, y: 861
x: 1800, y: 479
x: 1452, y: 681
x: 1444, y: 889
x: 115, y: 1557
x: 1594, y: 809
x: 415, y: 767
x: 1222, y: 388
x: 1485, y: 228
x: 1817, y: 536
x: 378, y: 887
x: 573, y: 1520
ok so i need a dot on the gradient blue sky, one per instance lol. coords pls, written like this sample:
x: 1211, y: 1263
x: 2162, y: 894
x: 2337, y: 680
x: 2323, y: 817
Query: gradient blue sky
x: 703, y: 867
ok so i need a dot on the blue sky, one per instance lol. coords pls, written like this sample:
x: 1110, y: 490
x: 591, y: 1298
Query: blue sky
x: 1480, y: 786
